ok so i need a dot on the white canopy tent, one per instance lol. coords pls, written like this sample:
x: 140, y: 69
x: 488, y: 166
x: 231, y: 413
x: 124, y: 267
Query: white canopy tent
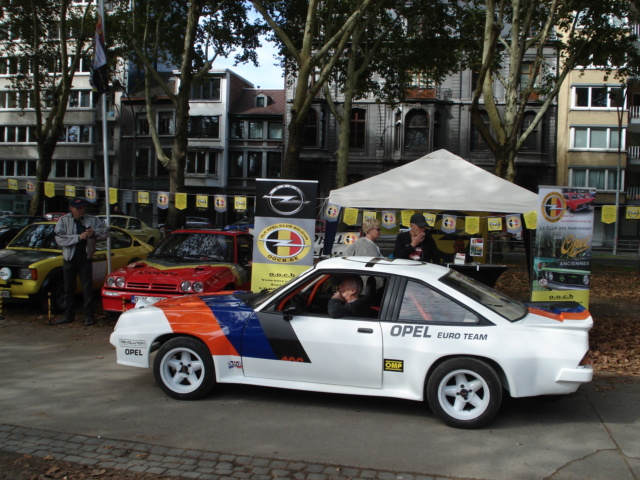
x: 438, y: 181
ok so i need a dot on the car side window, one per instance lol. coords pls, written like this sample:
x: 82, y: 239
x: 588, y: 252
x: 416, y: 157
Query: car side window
x: 423, y: 304
x: 118, y: 240
x: 134, y: 223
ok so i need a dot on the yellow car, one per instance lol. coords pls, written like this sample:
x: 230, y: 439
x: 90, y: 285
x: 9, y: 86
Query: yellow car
x: 134, y: 226
x: 31, y: 265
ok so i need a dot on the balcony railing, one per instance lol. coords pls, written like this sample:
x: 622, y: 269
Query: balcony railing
x: 633, y: 155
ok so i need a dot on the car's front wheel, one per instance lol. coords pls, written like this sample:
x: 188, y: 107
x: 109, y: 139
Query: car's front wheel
x: 184, y: 369
x: 464, y: 392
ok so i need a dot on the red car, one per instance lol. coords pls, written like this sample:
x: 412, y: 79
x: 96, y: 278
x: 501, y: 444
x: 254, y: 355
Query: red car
x: 185, y: 262
x: 576, y: 202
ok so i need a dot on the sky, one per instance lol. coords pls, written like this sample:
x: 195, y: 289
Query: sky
x: 267, y: 75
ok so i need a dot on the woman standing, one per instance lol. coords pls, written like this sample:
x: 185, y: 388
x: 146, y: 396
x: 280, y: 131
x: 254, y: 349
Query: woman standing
x: 365, y: 246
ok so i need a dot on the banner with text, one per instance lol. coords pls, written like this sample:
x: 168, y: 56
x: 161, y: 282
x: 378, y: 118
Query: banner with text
x: 284, y: 231
x: 562, y: 254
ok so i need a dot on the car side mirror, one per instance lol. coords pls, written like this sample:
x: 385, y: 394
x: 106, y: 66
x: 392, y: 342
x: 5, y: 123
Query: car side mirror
x: 289, y: 312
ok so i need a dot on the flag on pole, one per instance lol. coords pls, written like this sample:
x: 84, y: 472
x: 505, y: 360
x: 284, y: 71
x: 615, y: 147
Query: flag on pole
x: 99, y: 71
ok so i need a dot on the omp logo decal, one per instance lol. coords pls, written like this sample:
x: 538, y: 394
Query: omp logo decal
x: 553, y: 207
x: 393, y: 365
x: 286, y: 199
x: 284, y: 243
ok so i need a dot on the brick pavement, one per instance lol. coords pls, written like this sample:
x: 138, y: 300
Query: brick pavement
x: 193, y: 464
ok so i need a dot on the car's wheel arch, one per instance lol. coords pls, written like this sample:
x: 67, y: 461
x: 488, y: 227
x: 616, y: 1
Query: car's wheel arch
x: 495, y: 365
x: 162, y: 339
x: 53, y: 276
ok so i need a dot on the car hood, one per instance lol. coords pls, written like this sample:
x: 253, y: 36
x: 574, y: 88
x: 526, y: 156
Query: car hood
x: 177, y: 269
x: 24, y: 258
x: 570, y: 315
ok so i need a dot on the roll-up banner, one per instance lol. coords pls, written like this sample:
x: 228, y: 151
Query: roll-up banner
x: 284, y: 231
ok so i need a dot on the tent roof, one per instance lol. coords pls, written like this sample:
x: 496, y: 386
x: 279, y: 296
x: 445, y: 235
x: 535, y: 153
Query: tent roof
x: 438, y: 181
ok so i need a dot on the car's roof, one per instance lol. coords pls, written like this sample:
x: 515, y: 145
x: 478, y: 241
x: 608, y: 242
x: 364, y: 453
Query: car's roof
x: 396, y: 266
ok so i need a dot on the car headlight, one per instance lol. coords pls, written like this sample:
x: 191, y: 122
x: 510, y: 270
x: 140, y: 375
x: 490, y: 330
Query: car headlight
x: 28, y: 274
x: 110, y: 282
x: 548, y: 275
x: 185, y: 285
x: 120, y: 282
x: 585, y: 279
x: 198, y: 287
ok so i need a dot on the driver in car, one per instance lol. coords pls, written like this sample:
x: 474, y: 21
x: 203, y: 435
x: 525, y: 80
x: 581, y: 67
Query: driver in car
x: 347, y: 300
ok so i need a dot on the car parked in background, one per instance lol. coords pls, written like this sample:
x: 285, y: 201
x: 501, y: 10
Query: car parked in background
x: 31, y: 265
x: 185, y: 262
x: 10, y: 226
x: 421, y: 332
x: 244, y: 224
x: 577, y: 202
x: 53, y: 215
x: 136, y: 227
x: 197, y: 222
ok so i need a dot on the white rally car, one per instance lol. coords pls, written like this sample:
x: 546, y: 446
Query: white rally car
x: 423, y: 331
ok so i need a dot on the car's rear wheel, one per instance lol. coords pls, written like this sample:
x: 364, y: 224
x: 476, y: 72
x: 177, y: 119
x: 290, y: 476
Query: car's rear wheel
x: 464, y: 392
x: 184, y: 369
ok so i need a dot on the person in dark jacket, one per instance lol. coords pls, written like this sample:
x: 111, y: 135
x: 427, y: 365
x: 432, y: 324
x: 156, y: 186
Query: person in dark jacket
x: 417, y: 243
x: 347, y: 302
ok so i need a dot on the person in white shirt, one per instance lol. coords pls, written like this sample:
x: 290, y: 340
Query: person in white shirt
x: 365, y: 246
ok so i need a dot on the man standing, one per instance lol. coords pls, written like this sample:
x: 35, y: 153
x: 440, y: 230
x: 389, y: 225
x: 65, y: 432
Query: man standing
x: 417, y: 244
x: 77, y: 234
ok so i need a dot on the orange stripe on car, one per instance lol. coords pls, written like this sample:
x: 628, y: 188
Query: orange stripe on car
x: 560, y: 317
x: 195, y: 318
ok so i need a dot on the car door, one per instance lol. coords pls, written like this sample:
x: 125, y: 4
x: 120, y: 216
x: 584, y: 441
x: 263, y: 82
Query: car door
x: 315, y: 348
x: 135, y: 228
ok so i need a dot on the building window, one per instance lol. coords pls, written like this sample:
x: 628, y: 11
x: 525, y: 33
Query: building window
x: 237, y: 129
x: 165, y: 123
x: 80, y: 99
x: 477, y: 141
x: 597, y: 97
x: 421, y: 80
x: 532, y: 142
x: 17, y: 134
x: 358, y: 128
x: 142, y: 162
x: 142, y: 124
x: 18, y: 168
x: 204, y: 127
x: 236, y: 164
x: 596, y: 138
x: 68, y: 169
x: 254, y: 167
x: 208, y: 89
x: 75, y: 134
x: 274, y: 164
x: 310, y: 129
x: 198, y: 162
x: 417, y: 129
x: 261, y: 101
x: 602, y: 179
x: 275, y: 130
x: 398, y: 130
x: 13, y: 99
x: 255, y: 130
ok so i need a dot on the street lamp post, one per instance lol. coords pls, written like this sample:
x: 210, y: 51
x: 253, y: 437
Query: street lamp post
x: 620, y: 100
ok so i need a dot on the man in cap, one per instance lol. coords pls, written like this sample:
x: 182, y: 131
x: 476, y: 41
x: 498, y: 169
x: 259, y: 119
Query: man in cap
x: 77, y: 233
x: 417, y: 244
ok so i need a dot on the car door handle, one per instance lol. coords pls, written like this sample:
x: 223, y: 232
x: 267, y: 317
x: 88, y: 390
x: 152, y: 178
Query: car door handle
x: 365, y: 330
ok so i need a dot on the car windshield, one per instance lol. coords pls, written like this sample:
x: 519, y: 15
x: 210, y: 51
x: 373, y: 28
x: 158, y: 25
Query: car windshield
x: 117, y: 221
x: 15, y: 221
x: 36, y: 236
x: 196, y: 246
x: 504, y: 306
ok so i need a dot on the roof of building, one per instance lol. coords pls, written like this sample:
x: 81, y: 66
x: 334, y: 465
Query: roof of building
x: 246, y: 103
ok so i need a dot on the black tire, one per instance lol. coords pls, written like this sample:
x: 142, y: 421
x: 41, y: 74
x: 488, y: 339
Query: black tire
x: 55, y: 289
x: 183, y: 367
x: 464, y: 392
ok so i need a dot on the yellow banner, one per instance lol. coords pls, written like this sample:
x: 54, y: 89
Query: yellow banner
x: 202, y: 201
x: 609, y: 214
x: 494, y: 224
x: 12, y: 184
x: 70, y: 191
x: 405, y: 217
x: 350, y: 216
x: 368, y: 213
x: 143, y: 197
x: 472, y: 225
x: 531, y: 219
x: 49, y: 189
x: 240, y: 203
x: 181, y: 201
x: 580, y: 296
x: 430, y: 218
x: 633, y: 213
x: 269, y: 276
x: 113, y: 196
